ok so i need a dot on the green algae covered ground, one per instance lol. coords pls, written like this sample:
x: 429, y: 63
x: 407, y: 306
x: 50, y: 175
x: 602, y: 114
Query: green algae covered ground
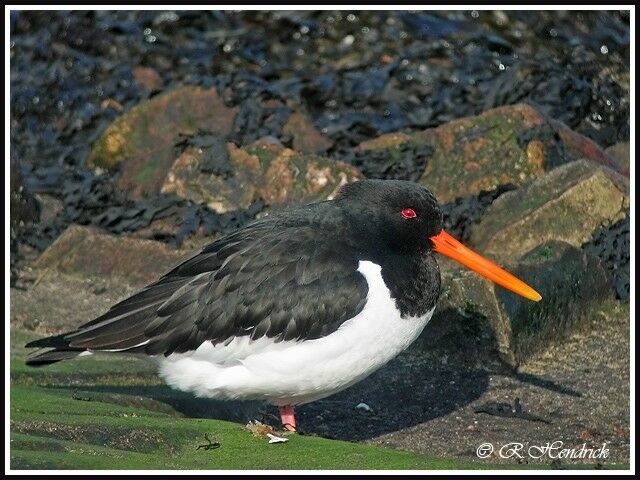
x: 112, y: 412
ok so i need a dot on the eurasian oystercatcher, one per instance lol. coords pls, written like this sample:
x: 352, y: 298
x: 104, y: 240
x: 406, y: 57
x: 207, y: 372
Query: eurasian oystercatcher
x: 295, y: 306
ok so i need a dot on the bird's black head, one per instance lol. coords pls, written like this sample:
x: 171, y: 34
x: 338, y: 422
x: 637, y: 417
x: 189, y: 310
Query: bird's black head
x: 393, y: 220
x: 391, y: 216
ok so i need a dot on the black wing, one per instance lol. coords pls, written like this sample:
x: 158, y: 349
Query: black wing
x: 284, y: 277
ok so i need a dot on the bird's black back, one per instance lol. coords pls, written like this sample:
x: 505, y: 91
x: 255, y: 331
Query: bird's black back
x: 288, y: 276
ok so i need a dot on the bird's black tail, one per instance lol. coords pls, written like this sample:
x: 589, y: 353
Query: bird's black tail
x: 60, y: 350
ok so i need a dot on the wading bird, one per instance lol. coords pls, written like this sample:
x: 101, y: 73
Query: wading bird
x: 293, y: 307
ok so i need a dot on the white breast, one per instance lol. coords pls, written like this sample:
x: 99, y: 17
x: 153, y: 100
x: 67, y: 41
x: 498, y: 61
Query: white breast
x: 295, y: 372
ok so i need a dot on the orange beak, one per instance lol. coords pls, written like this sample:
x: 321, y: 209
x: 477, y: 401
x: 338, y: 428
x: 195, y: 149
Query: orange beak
x: 452, y: 248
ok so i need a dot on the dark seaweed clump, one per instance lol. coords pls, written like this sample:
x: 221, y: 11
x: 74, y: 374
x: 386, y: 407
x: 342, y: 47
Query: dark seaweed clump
x: 215, y: 156
x: 613, y: 245
x: 95, y: 200
x: 462, y: 213
x: 406, y: 161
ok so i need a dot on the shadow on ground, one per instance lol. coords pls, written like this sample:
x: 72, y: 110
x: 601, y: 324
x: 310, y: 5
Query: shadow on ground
x: 401, y: 395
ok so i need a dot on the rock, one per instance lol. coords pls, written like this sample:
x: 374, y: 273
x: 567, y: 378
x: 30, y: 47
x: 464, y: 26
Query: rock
x: 237, y: 177
x: 585, y: 148
x: 505, y: 145
x: 87, y: 252
x: 82, y: 274
x: 148, y: 78
x: 461, y: 328
x: 572, y: 284
x: 621, y: 153
x: 112, y: 104
x: 486, y: 322
x: 388, y: 140
x: 143, y: 139
x: 568, y: 203
x: 50, y: 207
x: 306, y: 137
x: 57, y: 302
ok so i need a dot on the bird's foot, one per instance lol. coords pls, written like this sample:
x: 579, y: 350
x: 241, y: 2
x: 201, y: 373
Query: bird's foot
x: 288, y: 418
x: 289, y: 428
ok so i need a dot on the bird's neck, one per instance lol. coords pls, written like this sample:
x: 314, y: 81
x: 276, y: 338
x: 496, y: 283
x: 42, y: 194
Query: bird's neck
x: 412, y: 279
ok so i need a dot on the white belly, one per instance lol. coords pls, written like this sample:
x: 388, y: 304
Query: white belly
x: 295, y: 372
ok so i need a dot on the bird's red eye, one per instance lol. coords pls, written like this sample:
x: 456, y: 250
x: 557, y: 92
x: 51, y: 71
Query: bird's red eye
x: 408, y: 213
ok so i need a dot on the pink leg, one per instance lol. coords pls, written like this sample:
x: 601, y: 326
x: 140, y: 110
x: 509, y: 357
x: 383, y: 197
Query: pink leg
x: 288, y: 418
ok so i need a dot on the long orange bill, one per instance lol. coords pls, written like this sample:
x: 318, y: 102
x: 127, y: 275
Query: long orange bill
x: 452, y: 248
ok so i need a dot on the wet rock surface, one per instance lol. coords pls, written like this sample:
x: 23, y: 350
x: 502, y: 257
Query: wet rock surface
x: 568, y: 204
x: 621, y: 154
x: 87, y: 252
x: 507, y: 145
x: 492, y: 324
x: 161, y: 129
x: 226, y: 178
x: 143, y: 138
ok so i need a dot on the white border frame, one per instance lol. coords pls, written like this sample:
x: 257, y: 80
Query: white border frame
x: 497, y: 471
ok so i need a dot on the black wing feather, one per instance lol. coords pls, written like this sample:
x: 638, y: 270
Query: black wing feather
x: 282, y: 277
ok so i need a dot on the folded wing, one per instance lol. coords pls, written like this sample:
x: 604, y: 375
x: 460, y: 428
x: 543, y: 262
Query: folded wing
x: 274, y: 278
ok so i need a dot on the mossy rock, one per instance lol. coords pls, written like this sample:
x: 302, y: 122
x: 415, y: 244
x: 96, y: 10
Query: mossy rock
x: 142, y: 140
x: 505, y: 145
x: 486, y: 323
x: 568, y: 204
x: 262, y: 170
x: 305, y: 137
